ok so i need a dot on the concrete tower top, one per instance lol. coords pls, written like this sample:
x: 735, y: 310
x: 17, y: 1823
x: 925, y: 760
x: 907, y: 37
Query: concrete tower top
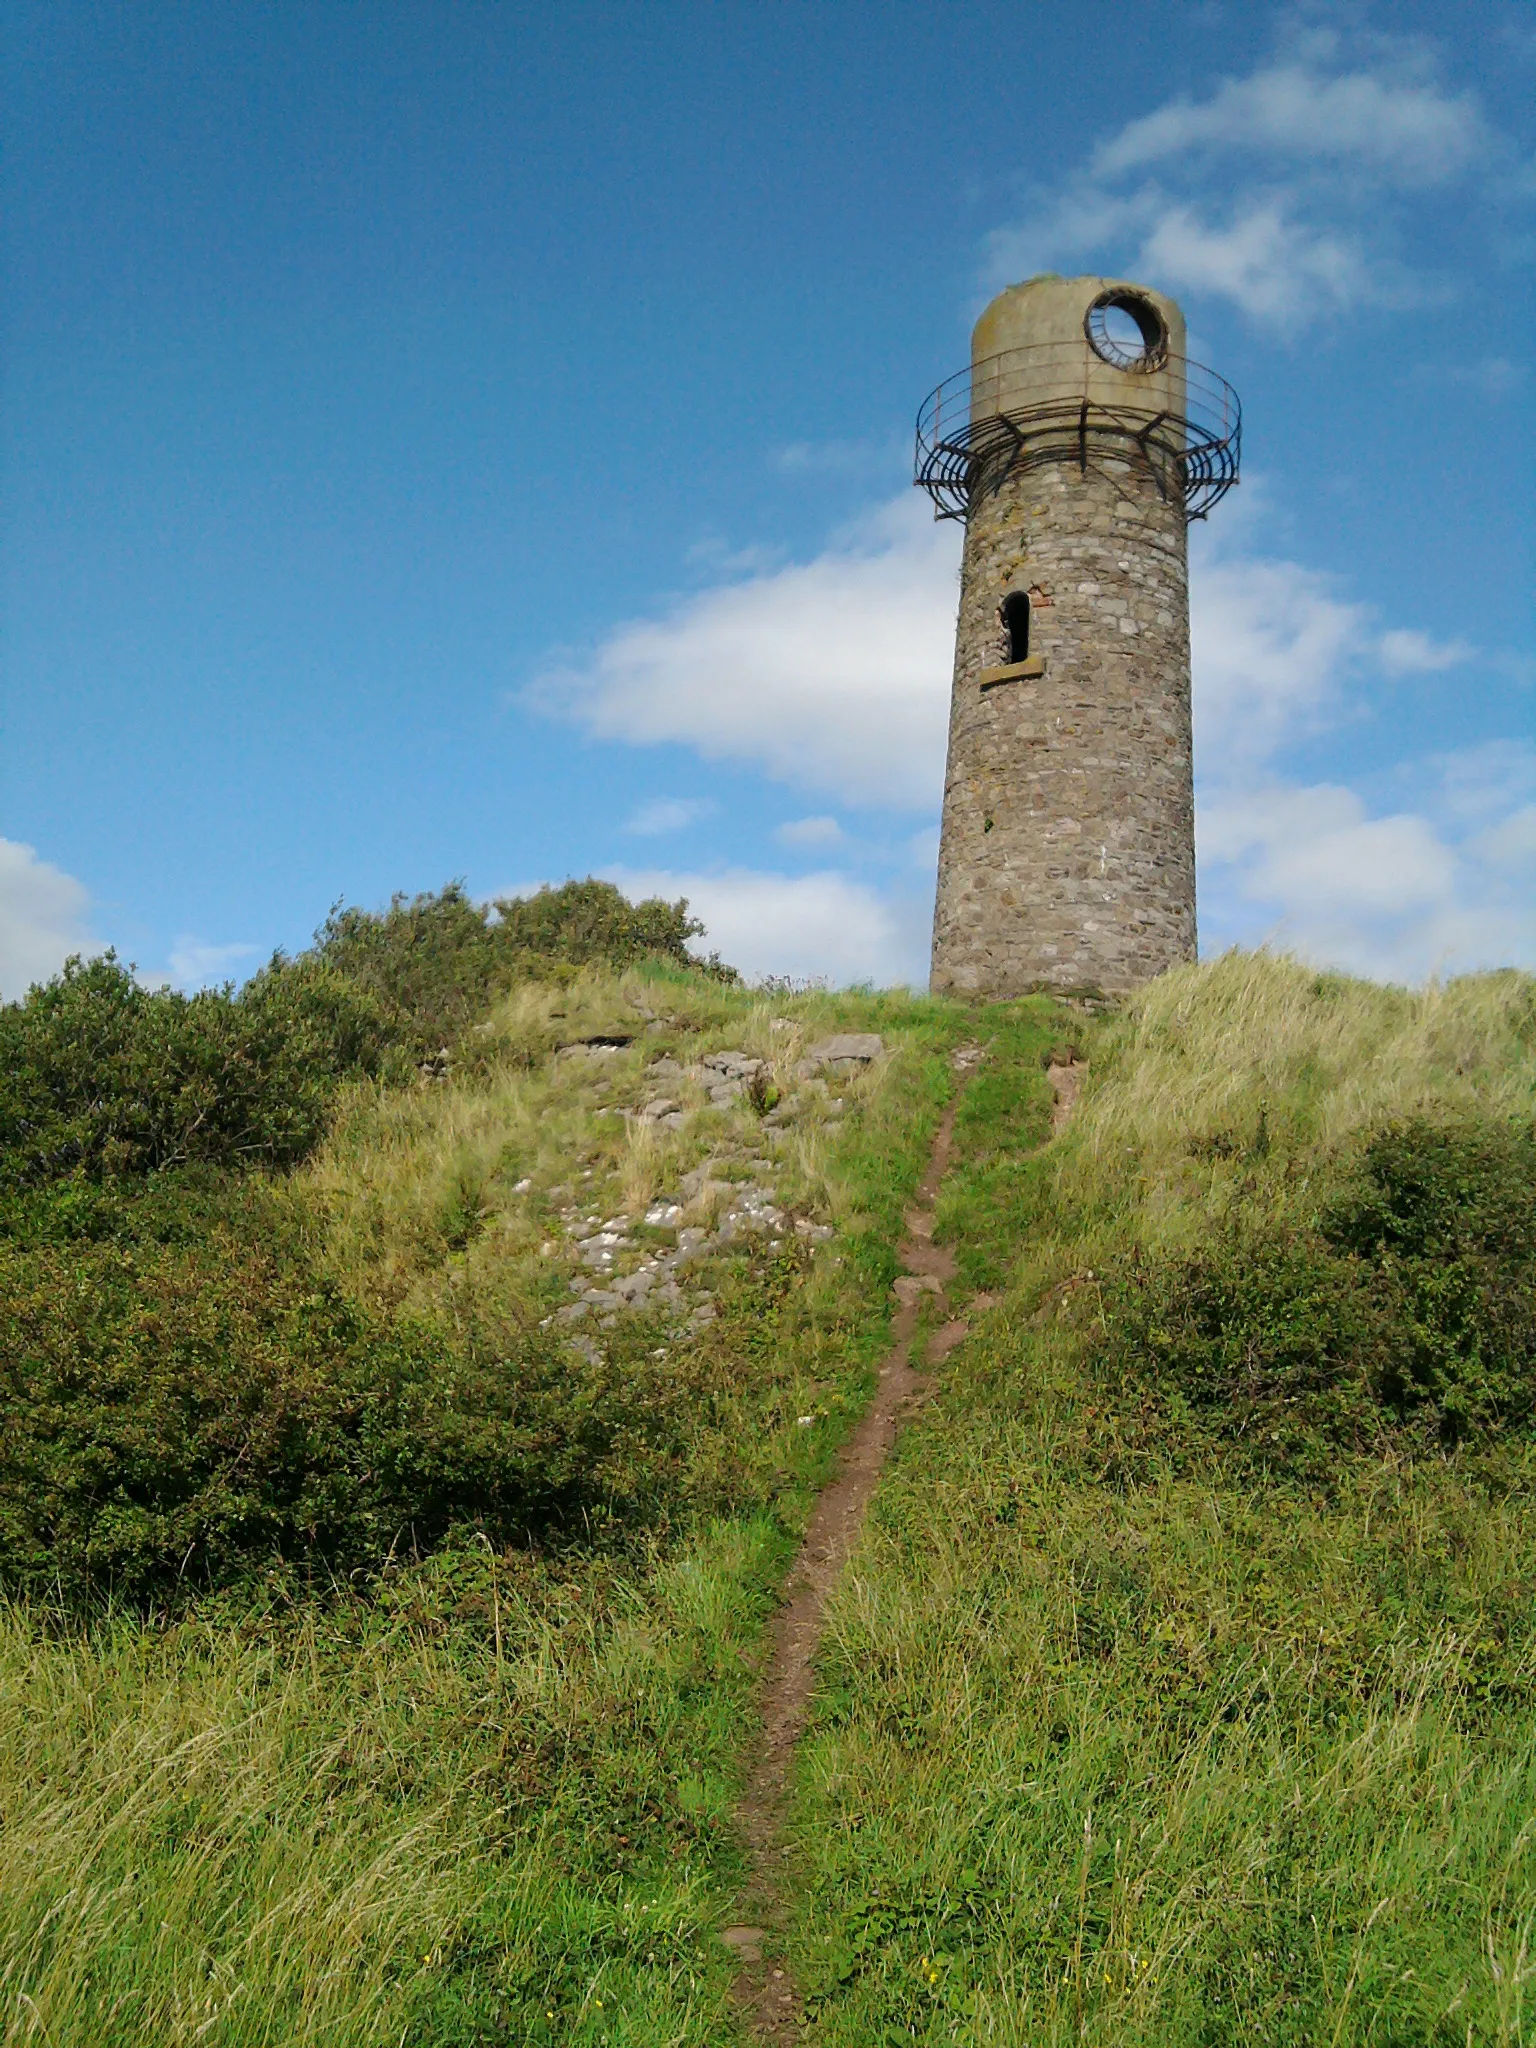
x: 1117, y: 345
x: 1052, y: 308
x: 1088, y: 365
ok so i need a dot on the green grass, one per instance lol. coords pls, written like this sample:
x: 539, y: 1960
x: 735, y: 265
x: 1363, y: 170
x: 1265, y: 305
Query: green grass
x: 485, y: 1797
x: 499, y: 1794
x: 1183, y: 1689
x: 1123, y: 1735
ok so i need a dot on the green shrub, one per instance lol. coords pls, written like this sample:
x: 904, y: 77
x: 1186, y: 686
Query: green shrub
x: 1269, y: 1343
x: 188, y: 1392
x: 1442, y: 1190
x: 1412, y: 1302
x: 181, y: 1412
x: 585, y: 922
x: 436, y: 962
x: 102, y: 1076
x: 1445, y: 1216
x: 431, y: 962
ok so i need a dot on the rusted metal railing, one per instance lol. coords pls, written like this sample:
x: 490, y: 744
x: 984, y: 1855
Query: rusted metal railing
x: 1054, y: 403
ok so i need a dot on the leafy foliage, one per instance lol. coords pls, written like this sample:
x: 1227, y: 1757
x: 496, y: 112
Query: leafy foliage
x: 102, y: 1076
x: 582, y: 922
x: 434, y: 963
x: 1412, y: 1299
x: 180, y: 1412
x: 188, y: 1388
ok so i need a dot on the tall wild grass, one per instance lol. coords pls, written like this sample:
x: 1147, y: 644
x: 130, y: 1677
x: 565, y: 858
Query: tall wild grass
x: 1184, y: 1690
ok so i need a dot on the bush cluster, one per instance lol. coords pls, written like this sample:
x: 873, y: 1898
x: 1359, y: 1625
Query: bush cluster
x: 434, y: 963
x: 187, y: 1393
x: 1408, y: 1302
x: 102, y: 1077
x: 178, y: 1412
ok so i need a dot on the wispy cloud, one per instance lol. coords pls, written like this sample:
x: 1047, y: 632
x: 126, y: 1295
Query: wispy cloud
x: 1274, y: 646
x: 44, y: 917
x: 821, y: 925
x: 196, y: 964
x: 1391, y: 125
x: 670, y: 814
x: 807, y: 833
x: 1444, y: 884
x: 1281, y: 192
x: 1492, y: 377
x: 1399, y: 895
x: 1407, y: 652
x: 867, y: 458
x: 830, y: 675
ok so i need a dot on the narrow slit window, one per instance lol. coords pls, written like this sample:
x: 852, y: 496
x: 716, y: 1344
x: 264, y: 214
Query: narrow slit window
x: 1014, y: 611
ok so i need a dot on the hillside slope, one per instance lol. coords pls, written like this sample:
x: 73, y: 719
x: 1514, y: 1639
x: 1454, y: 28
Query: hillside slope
x: 1184, y: 1688
x: 1181, y: 1689
x: 549, y: 1350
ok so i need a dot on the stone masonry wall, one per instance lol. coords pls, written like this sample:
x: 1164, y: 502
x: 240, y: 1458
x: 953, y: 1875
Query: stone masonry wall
x: 1067, y: 858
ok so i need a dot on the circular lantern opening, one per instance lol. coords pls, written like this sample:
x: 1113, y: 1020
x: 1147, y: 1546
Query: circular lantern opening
x: 1127, y: 330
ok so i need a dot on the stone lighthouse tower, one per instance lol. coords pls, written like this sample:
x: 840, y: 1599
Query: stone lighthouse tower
x: 1076, y: 448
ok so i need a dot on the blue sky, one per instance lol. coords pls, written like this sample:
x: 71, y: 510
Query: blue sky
x: 474, y: 440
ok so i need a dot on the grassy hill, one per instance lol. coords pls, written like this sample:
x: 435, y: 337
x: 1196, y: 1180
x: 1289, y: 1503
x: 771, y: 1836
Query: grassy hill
x: 398, y: 1487
x: 1185, y: 1688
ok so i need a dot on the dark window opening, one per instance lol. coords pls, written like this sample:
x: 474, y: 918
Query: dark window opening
x: 1014, y: 612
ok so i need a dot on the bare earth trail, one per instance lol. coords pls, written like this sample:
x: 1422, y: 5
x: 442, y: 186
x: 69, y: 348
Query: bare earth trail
x: 764, y: 1994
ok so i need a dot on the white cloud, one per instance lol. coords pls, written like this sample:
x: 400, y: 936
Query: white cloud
x: 1284, y: 192
x: 841, y: 458
x: 1442, y: 889
x: 43, y: 919
x: 807, y: 926
x: 1281, y: 655
x: 196, y: 964
x: 830, y: 675
x: 1492, y: 377
x: 670, y: 814
x: 1407, y: 652
x: 1256, y: 251
x: 1317, y: 852
x: 1512, y: 842
x: 1480, y: 785
x: 809, y: 832
x: 1263, y: 259
x: 923, y: 850
x: 1402, y: 128
x: 1273, y: 645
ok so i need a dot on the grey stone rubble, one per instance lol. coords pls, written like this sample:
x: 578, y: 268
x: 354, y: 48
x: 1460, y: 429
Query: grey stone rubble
x: 746, y: 1210
x: 605, y: 1046
x: 625, y: 1271
x: 849, y: 1052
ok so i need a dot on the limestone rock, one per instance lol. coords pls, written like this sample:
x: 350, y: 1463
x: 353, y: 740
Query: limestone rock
x: 735, y: 1066
x: 849, y: 1052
